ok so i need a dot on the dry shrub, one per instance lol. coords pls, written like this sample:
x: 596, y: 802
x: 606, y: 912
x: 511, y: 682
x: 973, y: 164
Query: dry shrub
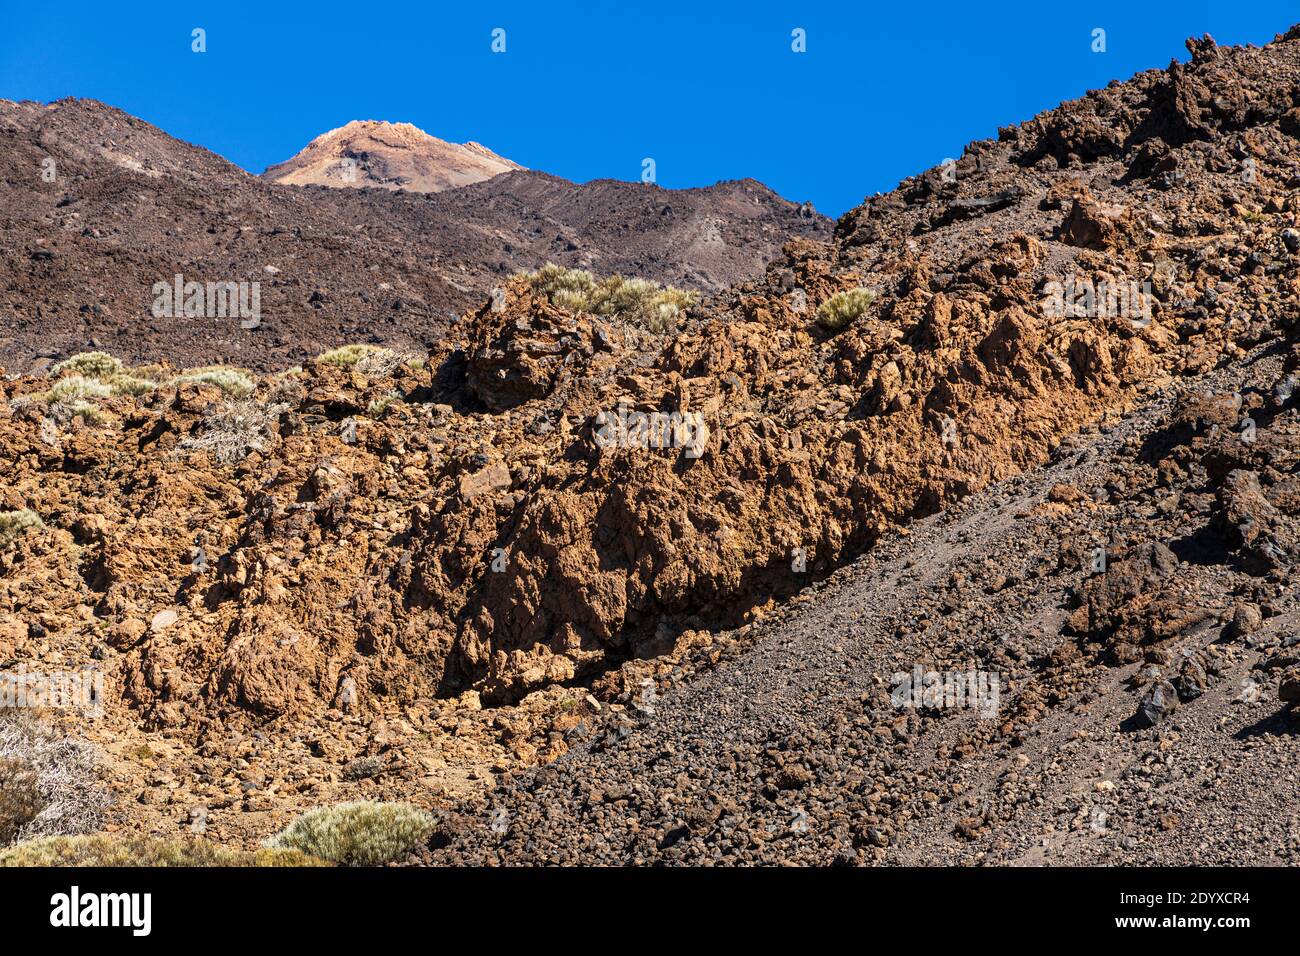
x: 14, y: 523
x: 49, y: 783
x: 363, y: 833
x: 637, y: 302
x: 131, y: 850
x: 231, y: 431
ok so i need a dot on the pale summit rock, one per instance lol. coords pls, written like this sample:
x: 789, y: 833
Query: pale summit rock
x: 389, y: 155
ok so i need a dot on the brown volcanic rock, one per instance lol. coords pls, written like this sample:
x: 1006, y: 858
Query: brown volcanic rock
x: 390, y: 155
x: 130, y: 207
x: 515, y: 361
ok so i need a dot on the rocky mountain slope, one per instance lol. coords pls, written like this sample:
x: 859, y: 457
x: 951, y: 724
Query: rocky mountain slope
x: 1031, y: 415
x: 128, y: 207
x: 389, y: 155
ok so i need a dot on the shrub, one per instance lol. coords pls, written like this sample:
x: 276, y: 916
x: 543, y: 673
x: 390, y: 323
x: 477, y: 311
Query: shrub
x: 74, y: 388
x: 345, y: 356
x: 232, y: 381
x: 20, y: 798
x: 363, y: 833
x: 376, y: 407
x: 639, y: 302
x: 127, y: 384
x: 388, y: 361
x: 53, y: 785
x: 14, y: 523
x: 130, y: 850
x: 843, y: 307
x: 88, y: 413
x: 89, y: 364
x: 233, y: 430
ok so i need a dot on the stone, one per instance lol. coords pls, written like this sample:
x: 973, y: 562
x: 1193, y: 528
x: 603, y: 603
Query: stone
x: 1160, y: 700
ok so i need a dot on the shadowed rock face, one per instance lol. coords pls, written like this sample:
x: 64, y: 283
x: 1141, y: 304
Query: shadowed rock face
x: 471, y: 535
x: 389, y: 155
x: 128, y: 207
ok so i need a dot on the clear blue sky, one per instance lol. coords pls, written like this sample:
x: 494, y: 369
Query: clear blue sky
x: 710, y: 90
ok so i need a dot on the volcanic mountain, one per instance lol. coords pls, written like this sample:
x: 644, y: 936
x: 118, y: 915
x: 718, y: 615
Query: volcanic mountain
x: 389, y: 155
x: 601, y: 580
x: 98, y: 207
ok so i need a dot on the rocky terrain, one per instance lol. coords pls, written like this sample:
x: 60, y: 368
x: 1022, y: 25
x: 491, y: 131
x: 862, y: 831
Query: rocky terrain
x: 389, y: 155
x: 126, y: 207
x: 610, y: 576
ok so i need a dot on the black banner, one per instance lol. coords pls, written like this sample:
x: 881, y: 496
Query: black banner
x: 339, y: 905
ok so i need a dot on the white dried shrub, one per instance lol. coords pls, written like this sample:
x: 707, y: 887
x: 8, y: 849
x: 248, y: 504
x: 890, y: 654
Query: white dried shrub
x: 233, y: 430
x: 388, y: 361
x: 50, y: 783
x: 363, y: 833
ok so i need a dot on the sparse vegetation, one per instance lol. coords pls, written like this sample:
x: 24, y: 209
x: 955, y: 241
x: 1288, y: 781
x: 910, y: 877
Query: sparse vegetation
x: 232, y: 381
x: 99, y: 365
x: 14, y: 523
x: 82, y: 381
x: 128, y: 384
x: 49, y: 782
x: 376, y: 407
x: 76, y: 387
x: 363, y: 768
x: 843, y: 307
x: 363, y: 833
x: 110, y: 850
x: 345, y: 356
x: 233, y: 430
x: 638, y: 302
x: 372, y: 359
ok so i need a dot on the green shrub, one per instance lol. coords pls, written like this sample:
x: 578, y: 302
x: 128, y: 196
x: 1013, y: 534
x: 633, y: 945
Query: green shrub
x: 74, y: 388
x: 90, y: 364
x: 128, y: 384
x: 232, y: 381
x: 14, y: 523
x: 843, y: 307
x: 376, y: 407
x: 345, y: 356
x: 94, y: 375
x: 363, y: 833
x: 639, y: 302
x: 102, y: 849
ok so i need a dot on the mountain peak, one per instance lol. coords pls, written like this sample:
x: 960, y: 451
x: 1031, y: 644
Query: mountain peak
x: 389, y: 155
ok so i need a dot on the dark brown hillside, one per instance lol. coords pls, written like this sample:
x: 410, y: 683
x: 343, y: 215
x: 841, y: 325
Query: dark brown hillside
x: 131, y: 206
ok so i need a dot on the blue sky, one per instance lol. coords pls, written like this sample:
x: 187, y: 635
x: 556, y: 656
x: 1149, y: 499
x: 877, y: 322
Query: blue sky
x: 708, y: 90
